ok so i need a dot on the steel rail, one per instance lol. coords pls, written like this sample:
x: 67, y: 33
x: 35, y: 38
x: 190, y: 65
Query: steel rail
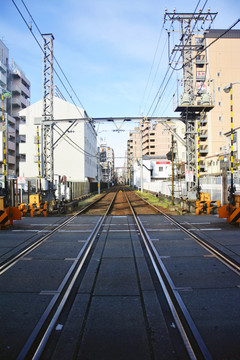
x: 193, y: 341
x: 227, y: 260
x: 8, y: 263
x: 59, y: 300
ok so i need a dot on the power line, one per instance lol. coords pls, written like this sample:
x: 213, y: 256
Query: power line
x: 53, y: 55
x: 73, y: 143
x: 151, y: 69
x: 173, y: 68
x: 31, y: 30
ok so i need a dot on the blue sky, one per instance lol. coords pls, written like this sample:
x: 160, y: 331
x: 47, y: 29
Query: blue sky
x: 106, y: 49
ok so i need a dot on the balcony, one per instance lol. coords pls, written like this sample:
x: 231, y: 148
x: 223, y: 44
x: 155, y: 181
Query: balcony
x: 3, y: 79
x: 24, y: 102
x: 11, y: 146
x: 203, y: 150
x: 16, y: 90
x: 16, y: 102
x: 203, y: 136
x: 200, y: 61
x: 3, y: 68
x: 25, y: 91
x: 11, y: 159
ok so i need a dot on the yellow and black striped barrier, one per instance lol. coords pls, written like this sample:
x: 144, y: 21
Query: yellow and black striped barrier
x: 7, y: 216
x: 207, y: 207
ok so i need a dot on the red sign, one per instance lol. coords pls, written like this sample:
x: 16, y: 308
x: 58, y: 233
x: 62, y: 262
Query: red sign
x: 163, y: 162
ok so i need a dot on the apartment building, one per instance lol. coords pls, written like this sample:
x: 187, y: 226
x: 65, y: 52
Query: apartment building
x: 154, y: 139
x: 13, y: 79
x: 224, y: 68
x: 216, y: 68
x: 107, y: 163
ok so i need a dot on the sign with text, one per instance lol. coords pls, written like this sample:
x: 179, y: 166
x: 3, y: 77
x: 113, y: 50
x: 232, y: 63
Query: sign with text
x: 189, y: 176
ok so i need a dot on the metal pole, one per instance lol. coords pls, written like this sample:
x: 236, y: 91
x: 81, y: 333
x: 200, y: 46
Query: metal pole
x: 231, y: 195
x: 172, y: 171
x: 141, y: 169
x: 98, y: 171
x: 4, y: 145
x: 198, y: 161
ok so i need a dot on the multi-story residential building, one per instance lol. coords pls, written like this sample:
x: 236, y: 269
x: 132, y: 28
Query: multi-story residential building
x: 4, y: 56
x: 224, y: 67
x: 154, y: 140
x: 76, y: 152
x: 14, y: 80
x: 218, y: 64
x: 107, y: 163
x: 19, y: 86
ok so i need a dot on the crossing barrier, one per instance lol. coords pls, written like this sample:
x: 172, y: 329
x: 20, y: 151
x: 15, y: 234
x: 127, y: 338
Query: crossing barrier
x: 7, y: 216
x: 207, y: 207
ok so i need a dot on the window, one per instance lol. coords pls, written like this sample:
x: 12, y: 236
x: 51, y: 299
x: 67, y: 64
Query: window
x: 220, y: 133
x: 219, y: 89
x: 219, y: 103
x: 160, y: 168
x: 218, y: 74
x: 220, y: 118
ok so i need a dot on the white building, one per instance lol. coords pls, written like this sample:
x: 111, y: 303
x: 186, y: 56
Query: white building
x: 75, y: 152
x: 153, y: 169
x: 107, y: 162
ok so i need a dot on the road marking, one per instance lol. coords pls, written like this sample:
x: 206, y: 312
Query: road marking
x: 74, y: 231
x: 120, y: 230
x: 210, y: 229
x: 156, y: 230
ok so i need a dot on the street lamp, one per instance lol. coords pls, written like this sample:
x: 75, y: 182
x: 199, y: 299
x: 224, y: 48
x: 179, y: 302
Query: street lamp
x: 228, y: 89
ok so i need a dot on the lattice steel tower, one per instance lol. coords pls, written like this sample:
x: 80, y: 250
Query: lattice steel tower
x: 195, y: 100
x: 47, y: 163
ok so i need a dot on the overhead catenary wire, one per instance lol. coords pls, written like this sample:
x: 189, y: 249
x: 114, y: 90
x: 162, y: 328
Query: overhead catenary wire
x: 173, y: 69
x: 53, y: 56
x: 152, y: 65
x: 73, y: 143
x: 58, y: 76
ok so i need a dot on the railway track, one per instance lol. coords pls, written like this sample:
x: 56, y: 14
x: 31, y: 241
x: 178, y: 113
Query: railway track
x: 120, y: 261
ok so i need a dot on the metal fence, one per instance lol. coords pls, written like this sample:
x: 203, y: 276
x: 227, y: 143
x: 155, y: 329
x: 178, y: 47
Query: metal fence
x: 209, y: 184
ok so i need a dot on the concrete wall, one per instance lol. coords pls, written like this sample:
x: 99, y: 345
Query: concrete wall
x: 69, y: 156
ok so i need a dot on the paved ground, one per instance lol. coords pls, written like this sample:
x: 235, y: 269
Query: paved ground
x: 116, y: 313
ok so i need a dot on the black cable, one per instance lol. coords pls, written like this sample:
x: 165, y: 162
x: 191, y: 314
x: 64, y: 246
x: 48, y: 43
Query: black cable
x: 30, y: 29
x: 74, y: 144
x: 53, y: 55
x: 173, y: 68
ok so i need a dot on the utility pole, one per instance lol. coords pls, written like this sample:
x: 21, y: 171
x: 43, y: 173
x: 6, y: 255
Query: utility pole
x: 141, y: 158
x: 194, y: 98
x: 98, y: 171
x: 173, y: 156
x: 47, y: 120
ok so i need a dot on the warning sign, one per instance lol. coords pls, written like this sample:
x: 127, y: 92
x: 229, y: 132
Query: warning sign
x: 189, y: 176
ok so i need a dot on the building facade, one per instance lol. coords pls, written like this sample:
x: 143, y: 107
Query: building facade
x: 13, y: 80
x: 224, y: 68
x: 154, y: 139
x: 106, y: 158
x: 75, y: 152
x: 218, y: 65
